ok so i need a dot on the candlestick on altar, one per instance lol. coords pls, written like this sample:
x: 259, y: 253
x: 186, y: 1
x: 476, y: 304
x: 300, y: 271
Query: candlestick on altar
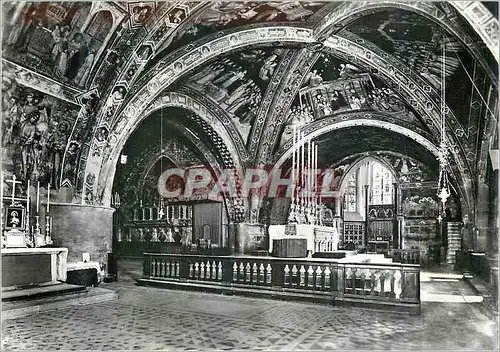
x: 28, y: 207
x: 293, y: 165
x: 38, y: 197
x: 48, y: 197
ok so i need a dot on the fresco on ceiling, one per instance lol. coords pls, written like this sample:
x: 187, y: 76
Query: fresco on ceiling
x: 36, y: 129
x: 334, y: 86
x: 57, y: 39
x: 419, y: 43
x: 238, y: 82
x: 228, y: 14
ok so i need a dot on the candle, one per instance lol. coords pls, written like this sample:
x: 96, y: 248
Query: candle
x: 48, y: 197
x: 28, y: 197
x: 37, y: 196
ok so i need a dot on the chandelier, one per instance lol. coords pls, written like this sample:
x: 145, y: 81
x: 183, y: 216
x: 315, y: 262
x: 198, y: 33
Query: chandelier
x: 443, y: 183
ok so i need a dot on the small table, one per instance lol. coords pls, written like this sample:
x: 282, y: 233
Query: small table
x: 83, y: 273
x: 378, y: 247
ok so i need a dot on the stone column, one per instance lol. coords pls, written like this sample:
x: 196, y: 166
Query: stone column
x: 395, y: 222
x: 367, y: 215
x: 83, y: 229
x: 482, y: 217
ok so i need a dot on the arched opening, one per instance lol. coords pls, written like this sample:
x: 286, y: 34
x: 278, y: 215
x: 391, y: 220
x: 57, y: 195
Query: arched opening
x: 368, y: 206
x: 145, y: 219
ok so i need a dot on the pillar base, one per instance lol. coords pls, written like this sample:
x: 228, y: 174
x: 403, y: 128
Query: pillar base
x: 83, y: 229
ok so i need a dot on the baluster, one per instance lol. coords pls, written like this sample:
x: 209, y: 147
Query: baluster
x: 349, y: 281
x: 397, y: 284
x: 208, y: 266
x: 302, y: 275
x: 261, y: 273
x: 153, y: 267
x: 235, y: 272
x: 197, y: 270
x: 161, y: 268
x: 241, y: 276
x: 214, y: 270
x: 269, y: 271
x: 191, y: 272
x: 310, y: 278
x: 287, y: 275
x: 387, y: 283
x: 254, y: 269
x: 294, y: 275
x: 248, y: 273
x: 177, y: 269
x: 166, y: 269
x: 370, y: 281
x: 317, y: 278
x: 202, y: 270
x: 378, y: 283
x: 327, y: 278
x: 219, y: 271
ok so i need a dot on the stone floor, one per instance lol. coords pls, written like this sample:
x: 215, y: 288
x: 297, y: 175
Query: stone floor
x: 157, y: 319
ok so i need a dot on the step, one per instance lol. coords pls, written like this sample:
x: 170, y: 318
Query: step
x: 21, y: 308
x: 40, y: 291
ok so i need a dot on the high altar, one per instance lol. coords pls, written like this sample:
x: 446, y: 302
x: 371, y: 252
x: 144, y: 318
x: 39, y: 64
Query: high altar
x: 26, y: 258
x: 304, y: 228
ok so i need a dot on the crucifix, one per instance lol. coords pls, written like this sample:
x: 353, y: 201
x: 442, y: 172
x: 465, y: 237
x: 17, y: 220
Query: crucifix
x: 14, y: 182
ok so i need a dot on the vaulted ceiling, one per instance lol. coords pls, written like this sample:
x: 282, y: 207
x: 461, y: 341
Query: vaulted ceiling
x: 234, y: 75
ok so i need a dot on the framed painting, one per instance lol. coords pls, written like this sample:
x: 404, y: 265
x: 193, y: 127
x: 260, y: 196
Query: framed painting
x: 15, y: 218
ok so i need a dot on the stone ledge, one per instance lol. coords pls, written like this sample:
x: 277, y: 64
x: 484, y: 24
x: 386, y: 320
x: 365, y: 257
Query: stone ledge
x: 12, y: 310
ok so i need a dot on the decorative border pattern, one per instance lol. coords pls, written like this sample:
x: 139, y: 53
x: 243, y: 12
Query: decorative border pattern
x: 31, y: 79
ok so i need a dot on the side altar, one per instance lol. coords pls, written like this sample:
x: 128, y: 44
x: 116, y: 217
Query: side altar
x: 28, y: 257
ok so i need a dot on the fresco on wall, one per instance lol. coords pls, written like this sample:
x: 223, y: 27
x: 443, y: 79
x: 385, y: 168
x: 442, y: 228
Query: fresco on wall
x: 36, y: 131
x: 56, y: 39
x: 238, y: 82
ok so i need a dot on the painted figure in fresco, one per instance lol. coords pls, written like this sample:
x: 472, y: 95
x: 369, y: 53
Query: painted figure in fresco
x: 267, y: 70
x: 15, y: 32
x: 313, y: 79
x: 61, y: 64
x: 229, y: 78
x: 32, y: 20
x: 211, y: 74
x: 56, y: 144
x: 141, y: 13
x: 237, y: 93
x: 60, y: 38
x: 29, y: 144
x: 77, y: 52
x: 84, y: 71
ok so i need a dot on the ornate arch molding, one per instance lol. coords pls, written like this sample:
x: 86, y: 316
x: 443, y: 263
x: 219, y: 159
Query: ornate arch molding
x: 155, y: 28
x: 281, y: 92
x: 316, y: 129
x: 221, y: 115
x: 103, y: 166
x: 486, y: 28
x: 374, y: 116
